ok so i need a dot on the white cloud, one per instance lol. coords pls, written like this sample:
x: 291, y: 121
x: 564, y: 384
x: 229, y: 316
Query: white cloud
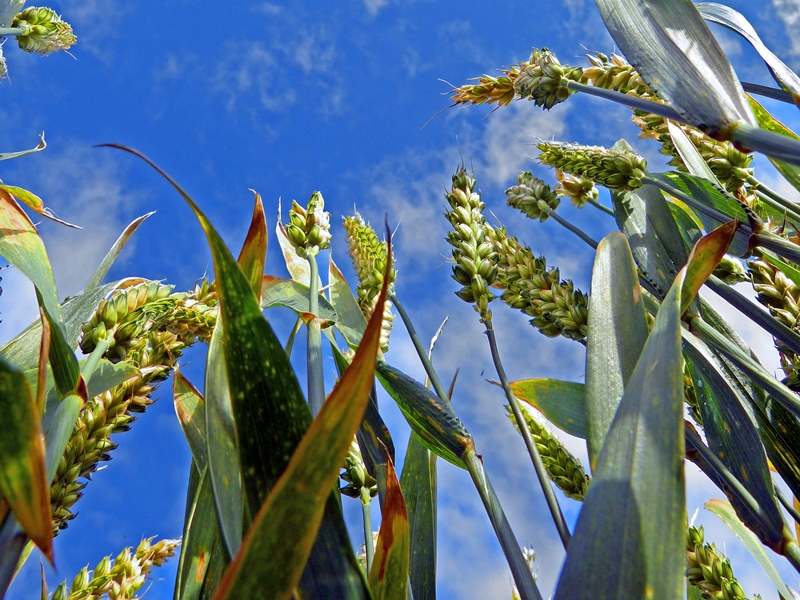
x: 93, y: 21
x: 83, y: 186
x: 789, y: 13
x: 18, y: 306
x: 267, y: 72
x: 511, y: 135
x: 374, y: 6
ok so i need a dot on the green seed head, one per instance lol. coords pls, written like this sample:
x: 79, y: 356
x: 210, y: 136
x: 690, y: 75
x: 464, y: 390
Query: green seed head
x: 544, y: 79
x: 532, y: 196
x: 474, y: 256
x: 44, y: 31
x: 613, y: 169
x: 309, y: 228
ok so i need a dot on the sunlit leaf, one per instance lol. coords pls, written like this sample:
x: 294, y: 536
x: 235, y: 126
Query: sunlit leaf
x: 32, y: 201
x: 254, y: 250
x: 562, y: 402
x: 21, y: 246
x: 202, y: 539
x: 388, y: 577
x: 224, y: 466
x: 705, y: 257
x: 790, y: 172
x: 294, y: 508
x: 190, y: 407
x: 277, y: 291
x: 23, y: 481
x: 437, y: 426
x: 350, y: 320
x: 630, y: 538
x: 735, y: 21
x: 671, y: 47
x: 23, y: 350
x: 725, y: 512
x: 270, y: 416
x: 5, y: 8
x: 617, y: 334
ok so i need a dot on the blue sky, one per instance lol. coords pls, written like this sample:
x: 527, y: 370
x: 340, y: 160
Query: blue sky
x: 288, y: 98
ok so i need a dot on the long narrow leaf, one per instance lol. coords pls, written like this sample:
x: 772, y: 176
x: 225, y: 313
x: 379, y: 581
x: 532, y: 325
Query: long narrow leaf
x: 388, y: 577
x: 419, y: 484
x: 671, y: 47
x: 725, y: 512
x: 437, y: 426
x: 116, y: 248
x: 23, y: 481
x: 629, y: 541
x: 790, y: 172
x: 294, y: 508
x: 21, y: 246
x: 270, y: 415
x: 735, y: 21
x: 617, y: 334
x: 562, y: 402
x: 254, y: 250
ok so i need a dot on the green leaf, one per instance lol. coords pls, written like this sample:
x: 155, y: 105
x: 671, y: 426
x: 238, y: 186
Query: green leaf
x: 270, y: 416
x: 418, y: 482
x: 254, y: 250
x: 725, y: 512
x: 715, y: 197
x: 688, y: 153
x: 224, y: 466
x: 629, y: 540
x: 21, y: 246
x: 23, y: 350
x: 33, y: 201
x: 201, y: 540
x: 106, y: 376
x: 115, y: 249
x: 350, y: 320
x: 735, y: 21
x: 733, y: 437
x: 388, y: 577
x: 790, y: 172
x: 705, y: 257
x: 191, y: 410
x: 23, y: 481
x: 294, y: 508
x: 562, y: 402
x: 674, y: 52
x: 276, y: 291
x: 66, y: 371
x: 437, y: 426
x: 784, y: 266
x: 617, y: 334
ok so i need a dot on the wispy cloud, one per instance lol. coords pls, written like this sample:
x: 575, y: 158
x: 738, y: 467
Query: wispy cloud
x: 512, y: 134
x: 86, y: 187
x: 788, y: 12
x: 274, y: 73
x: 94, y: 21
x: 374, y: 6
